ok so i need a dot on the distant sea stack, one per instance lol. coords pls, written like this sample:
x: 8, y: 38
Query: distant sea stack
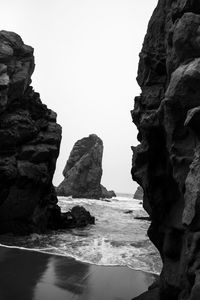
x: 29, y: 144
x: 83, y: 171
x: 167, y: 162
x: 138, y: 193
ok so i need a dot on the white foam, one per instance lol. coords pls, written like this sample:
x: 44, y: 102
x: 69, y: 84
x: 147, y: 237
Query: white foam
x: 104, y: 262
x: 111, y: 242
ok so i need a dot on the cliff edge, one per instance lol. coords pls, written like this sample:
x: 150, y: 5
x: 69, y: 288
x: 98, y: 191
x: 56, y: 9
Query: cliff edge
x: 166, y: 163
x: 29, y: 144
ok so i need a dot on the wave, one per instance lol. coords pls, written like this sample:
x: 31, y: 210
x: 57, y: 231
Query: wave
x: 117, y: 239
x: 54, y: 251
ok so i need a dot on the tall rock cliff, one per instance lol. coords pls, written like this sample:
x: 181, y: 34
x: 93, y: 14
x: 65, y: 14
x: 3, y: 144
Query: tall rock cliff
x: 83, y: 171
x: 166, y: 163
x: 29, y: 144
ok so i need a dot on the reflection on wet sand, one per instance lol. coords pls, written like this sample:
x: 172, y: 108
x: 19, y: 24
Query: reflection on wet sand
x: 71, y: 274
x: 64, y: 278
x: 28, y: 275
x: 19, y: 273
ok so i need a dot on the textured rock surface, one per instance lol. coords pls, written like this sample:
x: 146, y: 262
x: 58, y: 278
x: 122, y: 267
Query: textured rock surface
x: 138, y: 193
x: 83, y: 171
x: 167, y: 161
x: 78, y: 216
x: 29, y: 144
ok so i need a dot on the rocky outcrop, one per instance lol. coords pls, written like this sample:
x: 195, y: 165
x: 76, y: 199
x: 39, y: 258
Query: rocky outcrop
x: 105, y: 193
x: 138, y: 193
x: 78, y: 216
x: 29, y: 144
x: 83, y: 171
x: 167, y: 162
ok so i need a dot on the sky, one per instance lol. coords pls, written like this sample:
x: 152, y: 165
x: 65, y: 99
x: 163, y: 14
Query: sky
x: 86, y: 55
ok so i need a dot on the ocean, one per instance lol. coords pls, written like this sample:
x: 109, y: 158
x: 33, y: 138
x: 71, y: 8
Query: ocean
x: 117, y: 238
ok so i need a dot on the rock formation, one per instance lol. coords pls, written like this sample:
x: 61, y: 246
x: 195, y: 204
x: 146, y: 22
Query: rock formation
x: 167, y: 162
x: 78, y: 216
x: 83, y: 171
x: 29, y: 144
x: 138, y: 193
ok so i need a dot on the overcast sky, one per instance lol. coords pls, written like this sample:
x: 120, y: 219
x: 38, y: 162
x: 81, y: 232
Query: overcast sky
x: 86, y: 54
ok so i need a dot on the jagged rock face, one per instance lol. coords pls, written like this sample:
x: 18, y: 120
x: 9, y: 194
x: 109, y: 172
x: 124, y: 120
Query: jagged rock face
x: 167, y: 162
x: 138, y: 193
x: 29, y: 144
x: 83, y: 171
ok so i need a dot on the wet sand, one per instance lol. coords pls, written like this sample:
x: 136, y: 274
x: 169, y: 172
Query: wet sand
x: 30, y: 275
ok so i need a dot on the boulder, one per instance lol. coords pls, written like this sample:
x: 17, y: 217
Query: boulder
x: 83, y: 171
x: 166, y: 162
x: 78, y: 216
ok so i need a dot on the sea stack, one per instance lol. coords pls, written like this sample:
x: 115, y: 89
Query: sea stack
x: 166, y: 163
x: 29, y: 144
x: 83, y: 171
x: 138, y: 193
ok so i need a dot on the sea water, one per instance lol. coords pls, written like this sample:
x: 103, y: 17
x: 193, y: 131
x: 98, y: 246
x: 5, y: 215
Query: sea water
x: 117, y: 238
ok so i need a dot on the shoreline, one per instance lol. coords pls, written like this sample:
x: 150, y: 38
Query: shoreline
x: 35, y: 275
x: 75, y: 258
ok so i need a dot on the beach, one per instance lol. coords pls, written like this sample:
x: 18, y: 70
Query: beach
x: 118, y: 237
x: 32, y: 275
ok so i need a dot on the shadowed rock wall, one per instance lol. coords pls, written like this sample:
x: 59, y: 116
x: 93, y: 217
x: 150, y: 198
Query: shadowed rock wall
x: 166, y: 163
x: 29, y: 144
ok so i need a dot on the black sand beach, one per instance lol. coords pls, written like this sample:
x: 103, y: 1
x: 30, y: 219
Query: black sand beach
x: 30, y: 275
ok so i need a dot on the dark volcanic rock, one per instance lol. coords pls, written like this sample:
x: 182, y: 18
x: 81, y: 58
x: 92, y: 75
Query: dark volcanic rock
x: 138, y: 193
x: 78, y: 216
x: 106, y: 194
x: 29, y: 144
x: 143, y: 218
x: 167, y: 162
x: 83, y: 171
